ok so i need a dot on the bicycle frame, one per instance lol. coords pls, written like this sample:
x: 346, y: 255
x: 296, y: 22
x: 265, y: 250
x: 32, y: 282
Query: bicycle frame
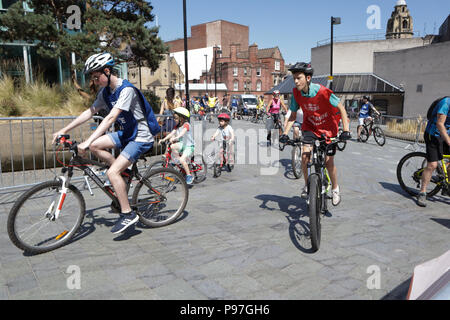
x: 317, y: 161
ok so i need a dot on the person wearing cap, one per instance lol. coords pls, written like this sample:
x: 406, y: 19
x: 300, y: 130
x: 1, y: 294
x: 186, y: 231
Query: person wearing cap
x: 127, y: 106
x: 226, y: 132
x: 365, y: 114
x: 182, y: 140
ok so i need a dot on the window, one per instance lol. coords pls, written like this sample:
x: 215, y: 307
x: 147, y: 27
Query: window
x: 258, y: 85
x: 277, y: 65
x: 419, y: 88
x: 235, y: 71
x: 245, y: 71
x: 236, y: 85
x: 258, y: 72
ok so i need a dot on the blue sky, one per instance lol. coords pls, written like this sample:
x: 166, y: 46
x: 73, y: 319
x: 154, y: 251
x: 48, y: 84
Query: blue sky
x: 295, y: 26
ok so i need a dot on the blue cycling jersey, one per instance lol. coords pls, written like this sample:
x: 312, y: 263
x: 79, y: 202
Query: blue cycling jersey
x: 443, y: 107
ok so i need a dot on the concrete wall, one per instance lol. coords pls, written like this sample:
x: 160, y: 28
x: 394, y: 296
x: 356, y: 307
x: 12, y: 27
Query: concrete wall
x: 356, y: 57
x: 426, y: 66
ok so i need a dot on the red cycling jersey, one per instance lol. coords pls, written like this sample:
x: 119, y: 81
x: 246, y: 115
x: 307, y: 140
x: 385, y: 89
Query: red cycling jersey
x: 319, y: 115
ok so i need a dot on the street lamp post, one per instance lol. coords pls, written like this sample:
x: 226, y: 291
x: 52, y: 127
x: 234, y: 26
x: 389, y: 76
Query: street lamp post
x: 216, y: 51
x: 186, y: 86
x: 206, y: 75
x: 334, y: 20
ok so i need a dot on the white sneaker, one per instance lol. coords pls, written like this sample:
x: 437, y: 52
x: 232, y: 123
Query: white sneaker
x: 336, y: 197
x: 304, y: 194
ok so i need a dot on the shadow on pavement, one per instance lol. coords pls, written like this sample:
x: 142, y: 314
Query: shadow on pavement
x: 296, y: 209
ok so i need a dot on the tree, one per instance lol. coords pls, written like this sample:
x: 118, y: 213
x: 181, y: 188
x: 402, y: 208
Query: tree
x: 60, y: 27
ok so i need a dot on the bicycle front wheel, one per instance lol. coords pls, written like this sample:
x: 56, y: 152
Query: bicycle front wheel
x: 198, y: 168
x: 314, y: 209
x: 409, y: 174
x: 32, y: 225
x: 297, y: 162
x: 379, y: 136
x: 160, y: 197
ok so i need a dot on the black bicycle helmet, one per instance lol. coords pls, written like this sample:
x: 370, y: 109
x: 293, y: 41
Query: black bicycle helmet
x: 302, y: 67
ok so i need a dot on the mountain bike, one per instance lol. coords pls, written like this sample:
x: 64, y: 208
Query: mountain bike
x: 48, y: 215
x: 197, y: 165
x: 319, y: 185
x: 409, y: 174
x: 226, y: 158
x: 370, y: 127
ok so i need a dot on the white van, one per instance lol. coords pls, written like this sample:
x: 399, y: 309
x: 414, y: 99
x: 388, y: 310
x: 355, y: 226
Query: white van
x: 250, y: 101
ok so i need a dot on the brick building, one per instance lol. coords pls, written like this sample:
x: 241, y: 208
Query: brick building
x: 242, y: 68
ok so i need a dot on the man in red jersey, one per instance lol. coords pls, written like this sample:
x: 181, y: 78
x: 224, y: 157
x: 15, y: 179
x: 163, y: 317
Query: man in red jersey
x: 322, y: 111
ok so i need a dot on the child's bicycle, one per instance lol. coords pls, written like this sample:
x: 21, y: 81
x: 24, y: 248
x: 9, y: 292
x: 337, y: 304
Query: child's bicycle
x: 49, y: 214
x: 319, y: 186
x: 225, y: 158
x: 197, y: 165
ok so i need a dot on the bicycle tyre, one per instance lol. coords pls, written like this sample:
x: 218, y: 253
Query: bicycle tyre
x: 149, y: 212
x: 379, y: 136
x: 410, y: 179
x: 341, y: 144
x: 198, y: 172
x: 314, y: 210
x: 296, y: 159
x: 57, y: 238
x: 364, y: 135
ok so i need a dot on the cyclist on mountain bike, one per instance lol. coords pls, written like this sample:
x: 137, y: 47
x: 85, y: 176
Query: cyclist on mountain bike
x: 185, y: 145
x: 437, y: 141
x: 365, y: 114
x: 125, y: 105
x: 273, y: 108
x: 321, y: 109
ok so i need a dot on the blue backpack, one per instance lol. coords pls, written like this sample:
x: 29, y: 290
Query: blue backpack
x: 147, y: 110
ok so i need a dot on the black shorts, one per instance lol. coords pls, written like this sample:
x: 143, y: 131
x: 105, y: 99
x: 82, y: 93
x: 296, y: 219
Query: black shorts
x: 309, y: 138
x: 435, y: 147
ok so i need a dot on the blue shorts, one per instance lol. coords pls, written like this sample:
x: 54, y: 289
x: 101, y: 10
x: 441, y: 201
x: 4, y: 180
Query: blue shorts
x: 132, y: 150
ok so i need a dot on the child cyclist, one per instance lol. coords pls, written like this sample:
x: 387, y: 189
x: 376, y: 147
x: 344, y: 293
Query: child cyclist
x: 227, y: 133
x: 182, y: 139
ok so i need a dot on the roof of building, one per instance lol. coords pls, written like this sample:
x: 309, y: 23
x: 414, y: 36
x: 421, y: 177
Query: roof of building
x: 202, y: 86
x: 261, y: 54
x: 345, y: 84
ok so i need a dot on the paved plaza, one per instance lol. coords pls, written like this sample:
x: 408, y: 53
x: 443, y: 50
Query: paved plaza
x: 244, y: 236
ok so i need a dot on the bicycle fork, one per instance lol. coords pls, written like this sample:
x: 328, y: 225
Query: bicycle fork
x: 59, y: 204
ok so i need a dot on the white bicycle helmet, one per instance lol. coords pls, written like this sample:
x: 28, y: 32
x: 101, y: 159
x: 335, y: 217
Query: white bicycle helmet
x: 98, y: 62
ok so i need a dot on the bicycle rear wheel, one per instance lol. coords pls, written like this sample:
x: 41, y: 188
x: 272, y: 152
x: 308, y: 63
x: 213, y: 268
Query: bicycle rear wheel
x: 409, y: 174
x: 341, y: 144
x: 297, y: 162
x: 160, y: 197
x: 31, y: 224
x: 379, y: 136
x: 314, y: 209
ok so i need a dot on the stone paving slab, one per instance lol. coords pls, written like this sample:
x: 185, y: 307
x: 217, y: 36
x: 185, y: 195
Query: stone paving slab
x: 244, y: 236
